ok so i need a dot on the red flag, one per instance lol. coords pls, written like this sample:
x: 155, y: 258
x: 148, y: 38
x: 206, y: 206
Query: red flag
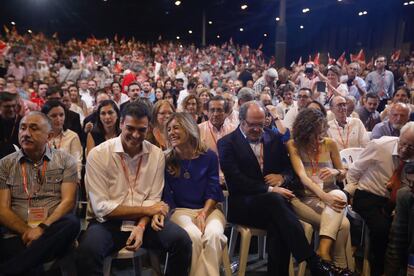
x: 396, y: 55
x: 361, y: 56
x: 316, y: 59
x: 272, y: 61
x: 341, y: 59
x: 81, y: 57
x: 300, y: 61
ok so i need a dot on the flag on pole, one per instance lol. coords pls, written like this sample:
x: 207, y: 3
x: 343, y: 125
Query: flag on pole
x: 316, y: 60
x: 341, y: 59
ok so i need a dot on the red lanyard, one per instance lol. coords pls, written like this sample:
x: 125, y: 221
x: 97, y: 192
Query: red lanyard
x: 314, y: 165
x: 124, y: 167
x: 348, y: 132
x: 25, y: 186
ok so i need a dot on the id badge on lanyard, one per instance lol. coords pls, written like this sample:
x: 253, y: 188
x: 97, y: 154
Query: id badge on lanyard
x: 35, y: 215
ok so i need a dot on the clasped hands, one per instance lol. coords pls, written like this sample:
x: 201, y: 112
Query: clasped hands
x: 275, y: 181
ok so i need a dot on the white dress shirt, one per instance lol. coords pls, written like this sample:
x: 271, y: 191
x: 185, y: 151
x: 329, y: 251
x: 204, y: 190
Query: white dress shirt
x: 108, y: 186
x: 374, y: 167
x: 352, y: 135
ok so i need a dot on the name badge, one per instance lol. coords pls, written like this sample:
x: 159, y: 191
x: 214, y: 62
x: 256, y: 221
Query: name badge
x: 127, y: 225
x: 36, y: 215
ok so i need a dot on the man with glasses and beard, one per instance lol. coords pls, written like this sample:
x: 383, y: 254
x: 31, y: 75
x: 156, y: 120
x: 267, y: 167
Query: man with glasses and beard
x: 257, y: 170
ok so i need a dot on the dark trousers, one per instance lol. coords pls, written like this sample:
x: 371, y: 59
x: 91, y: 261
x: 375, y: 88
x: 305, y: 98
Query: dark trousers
x: 376, y: 212
x: 17, y: 259
x: 285, y: 235
x: 103, y: 239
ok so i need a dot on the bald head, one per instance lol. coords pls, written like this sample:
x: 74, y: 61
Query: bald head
x: 399, y: 115
x: 252, y: 120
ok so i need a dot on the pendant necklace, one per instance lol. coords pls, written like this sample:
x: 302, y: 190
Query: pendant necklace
x: 187, y: 174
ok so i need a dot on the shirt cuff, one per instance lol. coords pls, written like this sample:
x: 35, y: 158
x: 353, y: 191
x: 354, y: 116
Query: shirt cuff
x: 270, y: 189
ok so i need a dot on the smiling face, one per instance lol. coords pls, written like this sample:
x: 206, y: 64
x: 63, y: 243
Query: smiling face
x: 176, y: 134
x: 133, y: 132
x: 108, y: 116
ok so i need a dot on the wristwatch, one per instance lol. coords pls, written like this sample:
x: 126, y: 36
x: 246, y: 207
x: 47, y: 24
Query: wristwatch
x: 43, y: 226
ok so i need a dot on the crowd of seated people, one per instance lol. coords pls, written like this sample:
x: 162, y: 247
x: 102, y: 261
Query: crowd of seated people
x: 152, y: 139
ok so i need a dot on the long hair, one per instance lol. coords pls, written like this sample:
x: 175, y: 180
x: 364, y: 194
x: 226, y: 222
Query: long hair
x: 99, y: 128
x: 193, y: 139
x: 308, y: 123
x: 156, y: 109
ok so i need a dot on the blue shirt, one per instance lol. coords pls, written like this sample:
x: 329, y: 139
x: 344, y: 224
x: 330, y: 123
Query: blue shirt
x: 202, y: 185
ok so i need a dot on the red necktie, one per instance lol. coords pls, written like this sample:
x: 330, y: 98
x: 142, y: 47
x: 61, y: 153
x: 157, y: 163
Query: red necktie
x: 395, y: 181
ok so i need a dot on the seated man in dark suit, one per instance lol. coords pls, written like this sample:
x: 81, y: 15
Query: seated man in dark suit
x: 257, y: 168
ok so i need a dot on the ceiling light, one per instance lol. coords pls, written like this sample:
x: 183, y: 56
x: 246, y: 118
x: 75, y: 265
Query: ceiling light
x: 13, y: 23
x: 277, y: 18
x: 405, y: 3
x: 241, y: 29
x: 29, y: 31
x: 301, y: 26
x: 190, y: 31
x: 243, y: 7
x: 210, y: 22
x: 218, y: 36
x: 306, y: 10
x: 177, y: 37
x: 265, y: 35
x: 177, y: 3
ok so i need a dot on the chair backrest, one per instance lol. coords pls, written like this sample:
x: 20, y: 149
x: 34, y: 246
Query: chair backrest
x: 350, y: 155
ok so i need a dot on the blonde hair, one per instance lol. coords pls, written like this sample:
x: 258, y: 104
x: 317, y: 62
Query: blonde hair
x: 193, y: 138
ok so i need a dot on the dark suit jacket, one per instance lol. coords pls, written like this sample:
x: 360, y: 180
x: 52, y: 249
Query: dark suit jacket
x: 72, y: 122
x: 241, y: 169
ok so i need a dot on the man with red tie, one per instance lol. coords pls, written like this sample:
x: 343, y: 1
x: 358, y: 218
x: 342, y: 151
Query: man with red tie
x: 375, y: 178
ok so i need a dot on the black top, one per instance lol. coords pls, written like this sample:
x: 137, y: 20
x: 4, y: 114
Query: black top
x: 9, y: 130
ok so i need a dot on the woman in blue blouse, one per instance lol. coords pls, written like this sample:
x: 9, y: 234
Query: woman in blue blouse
x: 192, y: 190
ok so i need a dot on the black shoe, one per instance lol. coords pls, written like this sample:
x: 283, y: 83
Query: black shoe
x: 319, y: 267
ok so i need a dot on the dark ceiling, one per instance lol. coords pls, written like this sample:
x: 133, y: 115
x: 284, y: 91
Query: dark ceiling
x: 147, y: 20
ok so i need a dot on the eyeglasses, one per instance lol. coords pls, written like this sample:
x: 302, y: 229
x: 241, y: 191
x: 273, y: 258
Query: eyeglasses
x: 254, y: 125
x: 216, y: 110
x: 406, y: 146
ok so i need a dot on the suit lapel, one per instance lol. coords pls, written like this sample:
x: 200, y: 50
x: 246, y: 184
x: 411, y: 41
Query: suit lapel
x: 247, y: 155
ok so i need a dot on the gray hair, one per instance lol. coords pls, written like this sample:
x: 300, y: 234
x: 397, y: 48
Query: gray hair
x: 246, y: 94
x: 356, y: 64
x: 245, y: 107
x: 407, y: 127
x: 44, y: 117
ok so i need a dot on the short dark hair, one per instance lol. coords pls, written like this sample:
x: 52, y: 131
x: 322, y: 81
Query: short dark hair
x: 372, y: 95
x: 321, y: 107
x: 287, y: 88
x: 7, y: 96
x: 136, y: 110
x: 306, y: 89
x: 219, y: 98
x: 133, y: 83
x: 53, y: 90
x: 403, y: 88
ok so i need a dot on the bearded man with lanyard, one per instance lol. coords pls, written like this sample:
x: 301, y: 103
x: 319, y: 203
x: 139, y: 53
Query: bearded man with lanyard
x: 124, y: 181
x: 37, y: 195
